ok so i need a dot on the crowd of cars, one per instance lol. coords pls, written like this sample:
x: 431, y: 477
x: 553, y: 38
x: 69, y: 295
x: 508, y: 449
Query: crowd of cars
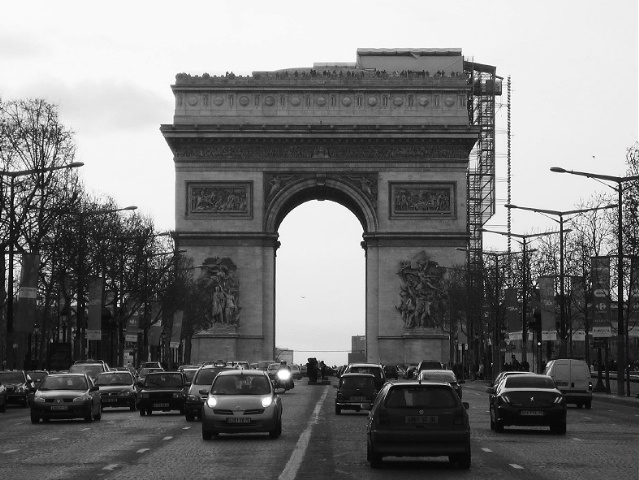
x: 416, y: 412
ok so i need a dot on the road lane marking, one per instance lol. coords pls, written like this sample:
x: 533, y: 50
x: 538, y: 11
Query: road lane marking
x: 54, y: 439
x: 186, y: 428
x: 111, y: 466
x: 142, y: 450
x: 167, y: 438
x: 11, y: 451
x: 85, y: 429
x: 517, y: 467
x: 577, y: 439
x: 293, y: 464
x: 488, y: 450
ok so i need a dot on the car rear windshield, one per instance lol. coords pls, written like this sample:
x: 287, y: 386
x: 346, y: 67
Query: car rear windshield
x: 370, y: 370
x: 11, y: 377
x: 163, y: 380
x: 521, y: 381
x: 91, y: 370
x: 437, y: 376
x: 421, y: 397
x: 114, y: 379
x: 241, y: 385
x: 206, y: 376
x: 357, y: 382
x: 64, y: 383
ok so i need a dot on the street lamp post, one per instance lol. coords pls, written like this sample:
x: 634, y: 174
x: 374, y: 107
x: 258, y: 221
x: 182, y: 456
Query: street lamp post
x: 81, y: 322
x: 12, y: 176
x: 621, y: 330
x: 562, y: 302
x: 524, y: 302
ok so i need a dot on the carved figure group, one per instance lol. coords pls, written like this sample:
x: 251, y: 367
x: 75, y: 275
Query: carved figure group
x: 220, y: 275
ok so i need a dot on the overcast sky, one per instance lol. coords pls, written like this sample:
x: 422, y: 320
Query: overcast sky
x: 109, y: 67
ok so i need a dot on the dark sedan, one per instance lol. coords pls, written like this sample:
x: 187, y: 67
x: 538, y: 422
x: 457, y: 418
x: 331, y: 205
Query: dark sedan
x: 18, y: 385
x: 529, y: 399
x: 162, y: 391
x: 117, y: 389
x: 66, y: 395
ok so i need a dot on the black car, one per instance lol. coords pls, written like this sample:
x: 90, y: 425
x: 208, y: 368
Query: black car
x: 373, y: 368
x: 391, y: 372
x: 162, y: 391
x: 355, y: 391
x: 529, y: 399
x: 117, y: 389
x: 19, y: 387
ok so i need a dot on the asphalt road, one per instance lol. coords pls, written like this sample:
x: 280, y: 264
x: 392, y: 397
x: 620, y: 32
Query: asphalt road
x: 315, y: 444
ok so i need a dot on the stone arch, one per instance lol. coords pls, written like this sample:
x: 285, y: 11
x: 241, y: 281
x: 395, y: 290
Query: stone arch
x: 335, y: 189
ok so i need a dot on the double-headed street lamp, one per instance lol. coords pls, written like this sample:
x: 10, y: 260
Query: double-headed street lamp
x: 621, y: 330
x: 524, y: 304
x: 12, y: 176
x: 80, y: 321
x: 563, y: 350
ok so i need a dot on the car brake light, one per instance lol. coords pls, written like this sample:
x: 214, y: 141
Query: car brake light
x: 503, y: 399
x: 559, y: 400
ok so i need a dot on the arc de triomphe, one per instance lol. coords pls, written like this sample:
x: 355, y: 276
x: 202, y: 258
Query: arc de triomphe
x: 388, y: 137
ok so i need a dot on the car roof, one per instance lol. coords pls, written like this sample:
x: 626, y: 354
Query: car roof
x: 238, y: 371
x: 348, y: 375
x: 364, y: 365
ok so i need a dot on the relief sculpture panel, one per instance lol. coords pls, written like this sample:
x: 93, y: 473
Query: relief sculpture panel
x: 422, y: 199
x: 219, y: 198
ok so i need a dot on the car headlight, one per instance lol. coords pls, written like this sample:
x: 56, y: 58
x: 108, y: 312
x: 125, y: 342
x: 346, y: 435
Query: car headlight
x: 82, y: 398
x: 193, y: 398
x: 211, y: 402
x: 144, y: 395
x: 267, y: 401
x: 284, y: 375
x: 38, y: 399
x: 178, y: 395
x: 20, y: 389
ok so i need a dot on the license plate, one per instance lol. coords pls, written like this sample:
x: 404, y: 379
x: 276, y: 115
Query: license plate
x: 423, y: 419
x: 59, y: 407
x: 531, y: 413
x: 238, y: 420
x: 357, y: 399
x: 160, y: 405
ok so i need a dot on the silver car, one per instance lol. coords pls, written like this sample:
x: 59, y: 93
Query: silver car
x: 242, y: 401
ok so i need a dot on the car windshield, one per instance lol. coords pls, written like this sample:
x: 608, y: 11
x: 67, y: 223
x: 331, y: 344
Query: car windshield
x: 189, y: 374
x: 241, y: 385
x: 35, y: 376
x: 528, y: 381
x: 163, y: 380
x: 206, y: 376
x: 91, y: 370
x: 357, y: 382
x: 146, y: 371
x: 64, y: 383
x: 11, y: 377
x: 437, y: 376
x: 114, y: 379
x: 421, y: 397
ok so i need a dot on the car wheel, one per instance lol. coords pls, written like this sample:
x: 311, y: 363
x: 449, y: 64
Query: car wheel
x: 3, y: 408
x: 88, y: 417
x: 462, y: 460
x: 149, y: 411
x: 45, y: 419
x: 373, y: 458
x: 338, y: 410
x: 558, y: 428
x: 278, y: 430
x: 142, y: 412
x: 35, y: 418
x: 499, y: 427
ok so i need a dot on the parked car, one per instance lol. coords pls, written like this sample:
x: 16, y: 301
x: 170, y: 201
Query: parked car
x: 117, y: 389
x: 163, y: 391
x: 441, y: 376
x: 529, y: 399
x: 91, y: 367
x: 66, y: 395
x: 572, y: 378
x: 199, y: 390
x: 410, y: 419
x: 19, y: 386
x: 373, y: 368
x: 355, y: 391
x: 242, y: 401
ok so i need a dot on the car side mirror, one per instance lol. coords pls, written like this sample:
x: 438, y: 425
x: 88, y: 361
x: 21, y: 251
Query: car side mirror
x: 466, y: 405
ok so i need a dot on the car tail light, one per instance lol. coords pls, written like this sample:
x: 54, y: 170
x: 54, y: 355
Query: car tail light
x: 503, y: 399
x: 383, y: 418
x: 590, y: 386
x: 558, y: 400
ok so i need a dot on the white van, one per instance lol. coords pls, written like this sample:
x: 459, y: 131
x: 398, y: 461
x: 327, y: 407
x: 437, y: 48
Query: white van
x: 573, y: 379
